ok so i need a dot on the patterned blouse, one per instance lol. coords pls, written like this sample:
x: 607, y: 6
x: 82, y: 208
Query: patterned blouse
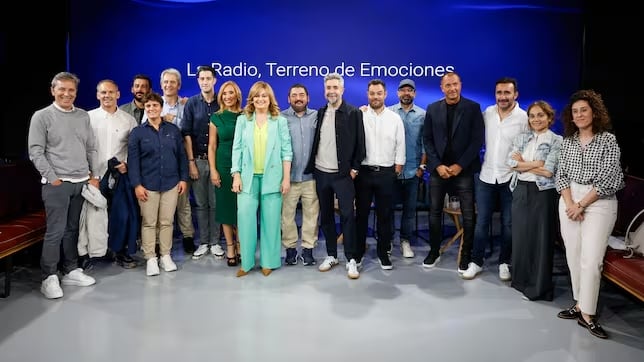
x: 598, y: 164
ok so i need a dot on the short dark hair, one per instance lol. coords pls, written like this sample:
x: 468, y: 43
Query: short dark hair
x: 206, y: 68
x: 153, y: 96
x: 298, y: 85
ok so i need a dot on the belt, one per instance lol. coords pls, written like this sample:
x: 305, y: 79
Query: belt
x: 203, y: 156
x: 376, y: 168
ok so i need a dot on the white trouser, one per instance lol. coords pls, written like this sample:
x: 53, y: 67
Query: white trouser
x: 586, y: 243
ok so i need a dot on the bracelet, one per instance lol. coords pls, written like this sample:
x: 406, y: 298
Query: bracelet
x: 191, y: 160
x: 581, y: 207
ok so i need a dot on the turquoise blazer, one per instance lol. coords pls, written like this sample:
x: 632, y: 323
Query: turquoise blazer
x: 278, y: 149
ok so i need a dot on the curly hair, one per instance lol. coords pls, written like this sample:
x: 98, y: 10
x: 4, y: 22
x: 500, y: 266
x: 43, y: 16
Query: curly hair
x: 601, y: 120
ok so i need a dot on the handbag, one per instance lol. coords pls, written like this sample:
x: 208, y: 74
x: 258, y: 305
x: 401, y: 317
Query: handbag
x: 634, y: 240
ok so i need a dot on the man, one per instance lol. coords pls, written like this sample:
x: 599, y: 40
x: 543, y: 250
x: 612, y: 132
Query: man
x: 172, y: 112
x: 338, y: 150
x: 503, y: 122
x: 301, y: 124
x: 385, y: 156
x: 112, y: 127
x: 453, y: 135
x: 62, y: 148
x: 406, y: 185
x: 195, y: 128
x: 141, y: 85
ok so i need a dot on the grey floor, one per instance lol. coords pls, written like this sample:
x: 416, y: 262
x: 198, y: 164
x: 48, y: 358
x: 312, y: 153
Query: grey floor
x: 203, y: 312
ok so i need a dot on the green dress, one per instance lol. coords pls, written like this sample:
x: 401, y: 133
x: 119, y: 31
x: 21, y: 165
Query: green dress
x: 226, y: 206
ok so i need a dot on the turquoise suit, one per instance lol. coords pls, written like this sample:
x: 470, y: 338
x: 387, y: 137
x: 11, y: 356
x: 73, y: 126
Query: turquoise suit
x: 260, y: 189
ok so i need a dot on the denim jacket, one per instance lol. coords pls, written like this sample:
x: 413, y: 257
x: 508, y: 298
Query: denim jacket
x: 547, y: 151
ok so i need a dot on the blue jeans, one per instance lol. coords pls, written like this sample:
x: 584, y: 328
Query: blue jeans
x: 406, y: 190
x: 486, y: 201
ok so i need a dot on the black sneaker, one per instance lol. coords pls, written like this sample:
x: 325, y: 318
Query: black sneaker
x: 463, y: 265
x: 385, y: 262
x: 86, y: 263
x: 431, y: 260
x: 307, y: 257
x: 291, y: 256
x: 125, y: 261
x: 188, y: 245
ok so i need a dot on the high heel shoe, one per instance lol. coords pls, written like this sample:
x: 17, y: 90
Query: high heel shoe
x: 232, y: 260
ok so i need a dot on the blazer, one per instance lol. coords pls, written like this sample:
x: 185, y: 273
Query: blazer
x: 349, y: 138
x: 468, y: 133
x: 278, y: 150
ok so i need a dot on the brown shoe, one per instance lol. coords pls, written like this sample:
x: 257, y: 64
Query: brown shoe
x: 267, y: 271
x: 241, y: 272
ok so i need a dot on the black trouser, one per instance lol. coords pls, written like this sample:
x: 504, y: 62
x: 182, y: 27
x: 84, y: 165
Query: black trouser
x: 329, y: 186
x: 375, y: 182
x: 463, y: 187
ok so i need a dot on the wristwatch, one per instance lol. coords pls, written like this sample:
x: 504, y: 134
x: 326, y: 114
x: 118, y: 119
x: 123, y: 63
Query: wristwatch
x: 423, y: 166
x: 354, y: 171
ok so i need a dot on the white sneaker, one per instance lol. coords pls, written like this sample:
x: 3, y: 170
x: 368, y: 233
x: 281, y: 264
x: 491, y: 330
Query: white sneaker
x: 78, y: 278
x: 50, y: 287
x: 472, y: 271
x: 352, y: 269
x: 167, y: 264
x: 201, y: 251
x: 405, y: 248
x: 152, y: 267
x: 328, y: 263
x: 217, y: 251
x: 504, y: 272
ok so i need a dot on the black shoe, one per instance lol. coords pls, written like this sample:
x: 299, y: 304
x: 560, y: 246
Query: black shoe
x: 463, y: 265
x: 188, y: 245
x: 307, y: 257
x: 593, y: 327
x: 125, y: 261
x: 291, y: 256
x: 570, y: 313
x: 385, y: 263
x: 85, y: 262
x: 431, y: 260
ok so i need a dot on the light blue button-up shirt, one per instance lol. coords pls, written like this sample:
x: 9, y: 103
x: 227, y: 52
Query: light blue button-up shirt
x: 302, y: 130
x: 413, y: 122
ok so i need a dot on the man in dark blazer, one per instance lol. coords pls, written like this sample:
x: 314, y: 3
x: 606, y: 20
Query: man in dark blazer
x: 453, y: 136
x: 337, y: 151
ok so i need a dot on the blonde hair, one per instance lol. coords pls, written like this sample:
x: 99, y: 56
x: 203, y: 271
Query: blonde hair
x: 259, y: 86
x: 238, y: 97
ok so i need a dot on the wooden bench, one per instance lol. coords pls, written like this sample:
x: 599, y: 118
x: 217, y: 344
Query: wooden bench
x: 22, y: 216
x: 627, y: 273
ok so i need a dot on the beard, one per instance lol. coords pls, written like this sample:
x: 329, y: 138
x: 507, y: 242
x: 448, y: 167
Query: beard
x: 299, y: 106
x: 406, y: 100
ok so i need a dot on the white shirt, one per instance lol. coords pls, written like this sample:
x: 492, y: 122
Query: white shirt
x: 111, y: 131
x: 384, y: 135
x: 499, y: 135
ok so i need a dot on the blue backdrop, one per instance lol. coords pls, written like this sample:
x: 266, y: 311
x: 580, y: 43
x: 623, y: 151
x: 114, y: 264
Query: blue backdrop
x: 285, y: 42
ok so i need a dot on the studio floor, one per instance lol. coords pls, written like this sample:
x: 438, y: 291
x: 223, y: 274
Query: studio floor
x: 202, y: 311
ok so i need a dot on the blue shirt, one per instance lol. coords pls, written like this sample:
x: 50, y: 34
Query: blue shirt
x: 157, y: 159
x: 414, y: 120
x: 302, y: 130
x: 196, y: 119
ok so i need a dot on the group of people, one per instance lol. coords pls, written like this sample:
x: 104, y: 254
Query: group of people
x: 253, y: 164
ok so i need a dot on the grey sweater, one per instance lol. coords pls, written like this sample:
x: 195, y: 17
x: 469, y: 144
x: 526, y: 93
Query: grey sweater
x: 62, y: 144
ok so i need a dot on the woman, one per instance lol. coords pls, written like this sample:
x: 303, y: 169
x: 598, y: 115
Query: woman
x: 220, y: 148
x: 158, y: 170
x: 534, y: 158
x: 261, y: 169
x: 588, y: 178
